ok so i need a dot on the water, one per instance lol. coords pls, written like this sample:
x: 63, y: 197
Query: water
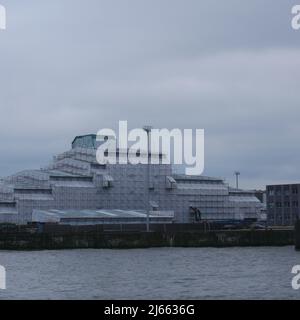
x: 164, y: 273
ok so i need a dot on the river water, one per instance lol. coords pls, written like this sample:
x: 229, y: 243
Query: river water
x: 164, y: 273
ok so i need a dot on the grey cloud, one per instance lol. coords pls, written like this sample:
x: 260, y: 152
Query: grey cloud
x: 68, y: 68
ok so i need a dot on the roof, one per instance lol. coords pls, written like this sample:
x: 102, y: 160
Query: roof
x: 60, y: 215
x: 243, y: 199
x: 64, y: 174
x: 33, y: 174
x: 92, y: 135
x: 202, y: 186
x: 87, y: 141
x: 235, y: 191
x: 283, y: 184
x: 184, y: 177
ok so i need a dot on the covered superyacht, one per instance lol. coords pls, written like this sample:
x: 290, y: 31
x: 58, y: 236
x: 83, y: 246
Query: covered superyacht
x: 75, y: 189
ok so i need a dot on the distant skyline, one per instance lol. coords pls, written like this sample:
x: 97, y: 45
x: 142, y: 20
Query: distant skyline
x: 70, y: 68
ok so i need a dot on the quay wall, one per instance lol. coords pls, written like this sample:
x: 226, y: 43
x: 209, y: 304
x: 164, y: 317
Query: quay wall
x: 297, y: 235
x: 80, y: 238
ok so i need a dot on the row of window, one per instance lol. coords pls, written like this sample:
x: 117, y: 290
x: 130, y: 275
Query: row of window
x: 280, y: 220
x: 286, y: 204
x: 279, y: 190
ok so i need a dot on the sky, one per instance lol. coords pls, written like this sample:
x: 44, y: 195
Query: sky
x: 70, y: 67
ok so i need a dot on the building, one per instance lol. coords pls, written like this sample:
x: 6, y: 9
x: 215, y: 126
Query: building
x: 283, y: 204
x: 75, y: 181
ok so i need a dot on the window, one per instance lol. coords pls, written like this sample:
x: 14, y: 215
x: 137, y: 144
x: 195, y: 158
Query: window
x: 33, y: 191
x: 278, y: 204
x: 271, y: 191
x: 286, y: 190
x: 107, y: 181
x: 271, y: 205
x: 71, y: 178
x: 295, y: 190
x: 278, y: 191
x: 295, y: 204
x: 98, y: 166
x: 8, y: 204
x: 287, y: 204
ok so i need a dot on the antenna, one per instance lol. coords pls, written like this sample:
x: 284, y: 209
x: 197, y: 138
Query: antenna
x: 237, y: 174
x: 148, y: 130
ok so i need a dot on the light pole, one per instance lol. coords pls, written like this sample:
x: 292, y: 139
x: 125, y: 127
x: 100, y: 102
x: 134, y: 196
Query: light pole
x: 237, y: 173
x: 148, y: 130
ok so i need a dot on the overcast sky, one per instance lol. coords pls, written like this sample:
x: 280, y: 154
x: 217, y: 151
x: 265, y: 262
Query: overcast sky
x: 232, y: 67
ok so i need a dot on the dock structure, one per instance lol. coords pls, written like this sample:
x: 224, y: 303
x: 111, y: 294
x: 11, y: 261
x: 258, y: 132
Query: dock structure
x: 297, y: 235
x: 130, y: 236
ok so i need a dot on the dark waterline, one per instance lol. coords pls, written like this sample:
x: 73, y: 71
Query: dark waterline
x: 164, y: 273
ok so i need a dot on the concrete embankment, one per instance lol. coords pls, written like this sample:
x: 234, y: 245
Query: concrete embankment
x: 94, y: 238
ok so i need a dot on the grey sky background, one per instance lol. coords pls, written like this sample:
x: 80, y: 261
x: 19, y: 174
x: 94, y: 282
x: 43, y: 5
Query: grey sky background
x: 231, y: 67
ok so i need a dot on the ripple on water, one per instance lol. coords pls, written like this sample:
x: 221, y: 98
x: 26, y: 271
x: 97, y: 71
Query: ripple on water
x: 160, y: 273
